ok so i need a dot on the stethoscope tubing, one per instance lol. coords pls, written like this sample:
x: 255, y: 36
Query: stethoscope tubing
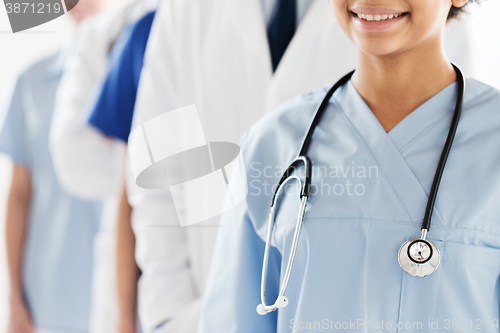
x: 302, y: 157
x: 426, y: 224
x: 269, y: 308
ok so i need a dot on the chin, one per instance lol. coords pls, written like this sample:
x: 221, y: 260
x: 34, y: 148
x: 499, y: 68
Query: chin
x: 379, y: 49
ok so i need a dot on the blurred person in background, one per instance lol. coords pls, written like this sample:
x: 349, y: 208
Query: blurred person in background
x: 235, y: 60
x: 89, y: 164
x: 49, y: 233
x: 112, y: 115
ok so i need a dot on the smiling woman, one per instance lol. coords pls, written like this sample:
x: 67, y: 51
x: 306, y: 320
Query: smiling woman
x: 454, y: 13
x: 412, y: 113
x: 377, y: 18
x: 391, y: 50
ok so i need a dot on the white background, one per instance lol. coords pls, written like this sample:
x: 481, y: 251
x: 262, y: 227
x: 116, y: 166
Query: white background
x: 17, y: 50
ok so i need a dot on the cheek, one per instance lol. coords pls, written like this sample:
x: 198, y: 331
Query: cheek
x: 342, y: 15
x: 339, y: 8
x: 429, y: 16
x: 429, y: 11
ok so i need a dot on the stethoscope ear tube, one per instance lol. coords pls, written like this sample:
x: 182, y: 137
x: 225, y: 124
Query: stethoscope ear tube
x: 426, y: 224
x: 281, y: 301
x: 319, y: 112
x: 306, y: 187
x: 420, y: 257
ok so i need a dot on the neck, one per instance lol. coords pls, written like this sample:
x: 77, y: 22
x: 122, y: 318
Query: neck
x: 395, y: 85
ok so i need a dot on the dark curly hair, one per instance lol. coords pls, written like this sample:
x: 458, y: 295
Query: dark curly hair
x: 456, y: 12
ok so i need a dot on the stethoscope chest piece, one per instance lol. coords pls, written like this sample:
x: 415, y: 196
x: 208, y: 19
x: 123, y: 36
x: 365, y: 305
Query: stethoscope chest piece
x: 419, y: 257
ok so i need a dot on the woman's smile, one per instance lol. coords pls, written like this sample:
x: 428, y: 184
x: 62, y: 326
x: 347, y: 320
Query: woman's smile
x: 377, y: 18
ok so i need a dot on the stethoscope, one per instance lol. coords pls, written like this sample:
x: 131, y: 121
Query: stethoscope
x: 418, y: 257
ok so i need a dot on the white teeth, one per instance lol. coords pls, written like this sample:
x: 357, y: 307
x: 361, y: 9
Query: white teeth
x: 370, y: 17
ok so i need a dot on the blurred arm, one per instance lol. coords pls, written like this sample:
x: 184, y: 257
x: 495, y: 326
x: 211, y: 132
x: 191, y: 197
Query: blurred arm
x: 18, y: 207
x: 127, y: 269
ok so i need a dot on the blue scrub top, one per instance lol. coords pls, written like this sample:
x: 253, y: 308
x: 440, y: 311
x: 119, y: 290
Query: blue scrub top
x: 114, y: 109
x: 58, y: 257
x: 369, y: 193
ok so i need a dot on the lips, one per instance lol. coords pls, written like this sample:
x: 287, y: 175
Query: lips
x: 376, y: 10
x: 377, y: 18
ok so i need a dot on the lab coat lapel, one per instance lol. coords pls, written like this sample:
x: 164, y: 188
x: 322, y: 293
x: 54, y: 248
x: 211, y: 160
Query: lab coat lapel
x: 247, y: 17
x: 236, y: 67
x: 393, y: 166
x: 316, y: 19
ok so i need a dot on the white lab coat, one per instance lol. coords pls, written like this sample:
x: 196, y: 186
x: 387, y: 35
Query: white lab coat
x: 88, y: 164
x: 215, y: 54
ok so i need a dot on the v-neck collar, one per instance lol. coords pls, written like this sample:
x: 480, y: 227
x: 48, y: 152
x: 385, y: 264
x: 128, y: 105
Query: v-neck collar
x: 385, y: 147
x: 437, y: 107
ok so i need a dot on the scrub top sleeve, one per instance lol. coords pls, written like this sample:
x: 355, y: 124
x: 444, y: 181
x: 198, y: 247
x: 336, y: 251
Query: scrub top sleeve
x: 233, y: 288
x: 13, y: 129
x: 113, y: 110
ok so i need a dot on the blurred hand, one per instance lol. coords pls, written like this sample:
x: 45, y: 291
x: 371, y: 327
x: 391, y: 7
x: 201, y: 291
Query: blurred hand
x: 20, y: 318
